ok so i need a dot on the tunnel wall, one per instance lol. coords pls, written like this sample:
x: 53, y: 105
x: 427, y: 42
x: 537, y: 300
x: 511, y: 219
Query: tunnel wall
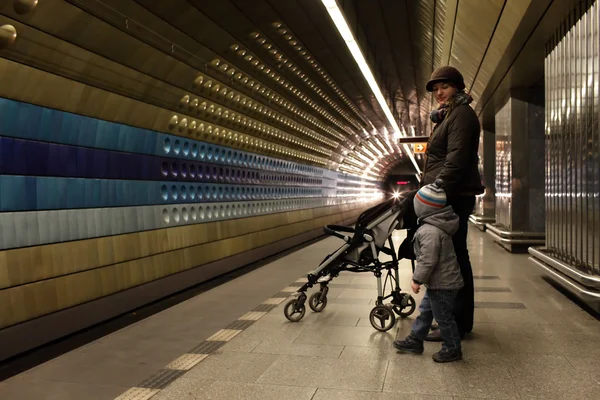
x: 129, y: 172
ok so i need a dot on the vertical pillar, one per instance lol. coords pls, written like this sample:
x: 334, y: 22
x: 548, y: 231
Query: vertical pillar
x: 489, y: 174
x: 519, y: 208
x: 528, y: 152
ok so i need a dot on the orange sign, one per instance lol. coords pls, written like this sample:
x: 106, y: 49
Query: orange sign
x: 419, y: 147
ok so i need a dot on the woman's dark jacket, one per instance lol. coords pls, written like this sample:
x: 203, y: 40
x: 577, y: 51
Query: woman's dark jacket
x: 452, y: 153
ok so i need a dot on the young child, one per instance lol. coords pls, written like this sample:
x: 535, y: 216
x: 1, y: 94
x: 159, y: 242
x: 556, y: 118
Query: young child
x: 438, y: 270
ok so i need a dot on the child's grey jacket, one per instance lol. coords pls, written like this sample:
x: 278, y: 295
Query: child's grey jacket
x: 437, y: 267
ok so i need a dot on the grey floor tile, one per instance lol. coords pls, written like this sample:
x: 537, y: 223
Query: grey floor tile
x: 349, y: 301
x: 478, y: 375
x: 23, y: 389
x: 478, y: 398
x: 330, y: 394
x: 285, y: 331
x: 185, y: 389
x: 190, y: 389
x: 238, y: 344
x: 358, y: 294
x: 498, y: 297
x: 568, y: 314
x: 232, y: 366
x: 495, y: 283
x: 335, y: 318
x: 347, y: 374
x: 524, y: 339
x: 369, y: 286
x: 482, y: 340
x: 348, y: 277
x: 485, y: 289
x: 584, y: 363
x: 345, y: 336
x: 480, y: 315
x: 88, y: 371
x: 364, y: 322
x: 374, y: 353
x: 295, y: 349
x: 551, y: 377
x: 523, y: 285
x: 502, y: 305
x: 574, y: 327
x: 517, y: 361
x: 352, y: 310
x: 579, y: 345
x: 512, y: 316
x: 276, y: 317
x: 154, y: 350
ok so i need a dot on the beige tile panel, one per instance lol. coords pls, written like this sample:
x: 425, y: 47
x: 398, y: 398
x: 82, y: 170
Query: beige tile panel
x: 35, y: 86
x: 40, y: 298
x: 32, y: 264
x: 90, y: 60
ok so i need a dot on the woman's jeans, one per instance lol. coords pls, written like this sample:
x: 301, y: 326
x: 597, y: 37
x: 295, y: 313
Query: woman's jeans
x: 438, y: 304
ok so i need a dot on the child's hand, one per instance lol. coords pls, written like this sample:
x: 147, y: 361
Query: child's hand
x: 415, y: 287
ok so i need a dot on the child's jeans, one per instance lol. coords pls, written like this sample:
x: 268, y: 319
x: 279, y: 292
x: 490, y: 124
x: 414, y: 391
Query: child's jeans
x: 438, y: 304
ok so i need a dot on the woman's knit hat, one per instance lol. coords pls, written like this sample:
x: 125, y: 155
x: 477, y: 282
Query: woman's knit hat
x: 446, y: 74
x: 428, y: 200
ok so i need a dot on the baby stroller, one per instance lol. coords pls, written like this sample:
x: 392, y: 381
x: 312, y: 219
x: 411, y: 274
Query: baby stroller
x: 360, y: 253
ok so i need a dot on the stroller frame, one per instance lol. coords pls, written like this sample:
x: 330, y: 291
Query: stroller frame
x: 382, y: 317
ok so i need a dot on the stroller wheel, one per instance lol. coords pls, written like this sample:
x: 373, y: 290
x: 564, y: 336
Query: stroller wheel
x: 409, y: 305
x: 382, y: 318
x: 292, y: 312
x: 317, y: 301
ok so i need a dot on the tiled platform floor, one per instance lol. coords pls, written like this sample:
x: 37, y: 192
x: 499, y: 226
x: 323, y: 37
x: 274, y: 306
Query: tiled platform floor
x: 529, y: 341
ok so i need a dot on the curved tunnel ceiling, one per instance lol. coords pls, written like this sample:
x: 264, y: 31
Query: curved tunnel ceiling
x: 287, y: 63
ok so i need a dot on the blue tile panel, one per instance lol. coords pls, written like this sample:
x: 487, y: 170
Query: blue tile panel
x: 27, y: 121
x: 33, y: 193
x: 27, y: 157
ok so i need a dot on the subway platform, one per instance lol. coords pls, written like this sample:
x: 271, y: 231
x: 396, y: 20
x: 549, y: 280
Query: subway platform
x: 233, y: 342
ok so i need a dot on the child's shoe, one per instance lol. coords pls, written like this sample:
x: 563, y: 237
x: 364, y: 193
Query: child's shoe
x: 447, y: 355
x: 409, y: 345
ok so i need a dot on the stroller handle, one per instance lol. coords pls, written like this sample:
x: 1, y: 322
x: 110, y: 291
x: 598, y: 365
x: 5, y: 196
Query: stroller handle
x: 332, y: 230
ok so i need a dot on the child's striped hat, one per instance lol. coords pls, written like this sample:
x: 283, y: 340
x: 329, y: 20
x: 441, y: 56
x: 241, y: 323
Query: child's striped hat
x: 428, y: 200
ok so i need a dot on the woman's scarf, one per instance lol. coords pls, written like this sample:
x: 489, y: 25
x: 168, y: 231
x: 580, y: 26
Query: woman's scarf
x: 440, y: 114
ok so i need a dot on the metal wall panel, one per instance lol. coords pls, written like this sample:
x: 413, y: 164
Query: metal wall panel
x: 489, y: 173
x: 573, y: 145
x: 519, y: 162
x: 36, y: 228
x: 528, y: 210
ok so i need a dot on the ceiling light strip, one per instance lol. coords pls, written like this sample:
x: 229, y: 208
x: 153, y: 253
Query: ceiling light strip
x: 342, y: 26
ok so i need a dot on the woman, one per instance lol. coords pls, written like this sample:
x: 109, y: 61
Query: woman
x: 452, y: 158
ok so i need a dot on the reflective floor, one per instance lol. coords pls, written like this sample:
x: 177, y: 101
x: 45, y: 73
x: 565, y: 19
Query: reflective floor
x: 233, y: 342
